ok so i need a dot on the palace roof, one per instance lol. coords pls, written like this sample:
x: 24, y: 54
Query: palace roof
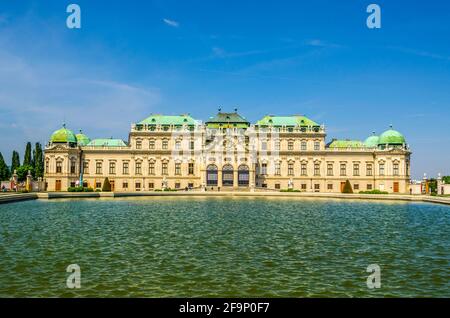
x: 168, y: 120
x: 107, y: 143
x: 339, y: 143
x: 289, y: 121
x: 227, y: 120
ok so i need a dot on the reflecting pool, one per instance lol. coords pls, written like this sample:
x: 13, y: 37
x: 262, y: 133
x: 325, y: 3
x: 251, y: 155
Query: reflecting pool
x: 224, y: 247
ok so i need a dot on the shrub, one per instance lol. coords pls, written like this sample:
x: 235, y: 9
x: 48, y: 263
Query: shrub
x: 347, y: 187
x: 289, y: 190
x: 106, y: 186
x: 376, y: 191
x: 88, y: 189
x: 158, y: 190
x: 24, y: 191
x: 98, y: 190
x: 170, y: 190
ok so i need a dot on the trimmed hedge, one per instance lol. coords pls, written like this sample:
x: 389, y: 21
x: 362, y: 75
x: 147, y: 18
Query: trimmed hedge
x: 373, y: 192
x: 79, y: 189
x: 289, y: 190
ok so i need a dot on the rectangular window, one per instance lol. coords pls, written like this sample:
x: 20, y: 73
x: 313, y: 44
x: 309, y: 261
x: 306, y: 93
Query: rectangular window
x: 98, y: 185
x: 264, y: 145
x: 264, y: 169
x: 290, y: 145
x: 316, y: 145
x: 58, y: 166
x: 316, y: 187
x: 151, y: 144
x: 356, y: 169
x: 138, y: 168
x: 138, y: 186
x: 72, y: 166
x: 356, y: 186
x: 396, y: 170
x: 191, y: 168
x: 343, y: 169
x: 277, y: 145
x: 277, y: 186
x: 177, y: 169
x: 138, y: 144
x: 86, y: 167
x: 277, y: 169
x: 381, y: 169
x: 192, y: 145
x: 304, y: 169
x: 329, y: 169
x: 46, y: 166
x: 177, y: 185
x: 164, y: 169
x: 178, y: 145
x: 190, y: 185
x: 303, y: 186
x: 165, y: 144
x: 303, y: 146
x: 317, y: 169
x: 369, y: 170
x: 290, y: 169
x: 125, y: 185
x: 151, y: 185
x: 112, y: 168
x: 330, y: 186
x: 98, y: 168
x: 125, y: 168
x: 151, y: 168
x: 369, y: 187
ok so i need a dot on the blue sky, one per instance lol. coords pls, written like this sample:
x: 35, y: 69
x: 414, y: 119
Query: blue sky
x: 315, y: 58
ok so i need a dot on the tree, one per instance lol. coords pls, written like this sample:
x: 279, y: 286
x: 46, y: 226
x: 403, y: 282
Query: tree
x: 22, y: 172
x: 15, y: 161
x: 38, y: 160
x: 4, y: 170
x: 347, y: 187
x: 27, y: 156
x: 446, y: 179
x: 106, y: 186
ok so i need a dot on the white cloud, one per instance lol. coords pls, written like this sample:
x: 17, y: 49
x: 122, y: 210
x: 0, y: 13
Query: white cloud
x: 171, y: 23
x: 38, y: 93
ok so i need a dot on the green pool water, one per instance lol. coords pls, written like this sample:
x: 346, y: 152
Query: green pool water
x: 223, y: 247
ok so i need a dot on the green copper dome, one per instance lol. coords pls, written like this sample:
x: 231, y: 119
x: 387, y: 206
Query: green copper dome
x: 63, y: 135
x: 391, y: 137
x: 82, y: 139
x: 372, y: 141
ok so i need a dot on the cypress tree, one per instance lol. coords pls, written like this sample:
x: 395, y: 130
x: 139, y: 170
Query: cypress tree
x: 106, y: 185
x: 27, y: 156
x: 38, y: 161
x: 4, y: 170
x: 347, y: 187
x: 15, y: 162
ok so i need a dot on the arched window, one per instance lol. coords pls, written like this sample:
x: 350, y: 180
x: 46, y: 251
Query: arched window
x: 211, y: 175
x: 227, y: 176
x: 243, y: 176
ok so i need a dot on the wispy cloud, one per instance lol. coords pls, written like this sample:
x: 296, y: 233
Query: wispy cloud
x: 171, y: 23
x: 420, y: 53
x: 321, y: 43
x: 37, y: 92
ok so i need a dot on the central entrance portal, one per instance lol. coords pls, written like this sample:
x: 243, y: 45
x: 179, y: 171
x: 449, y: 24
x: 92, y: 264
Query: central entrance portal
x: 227, y: 176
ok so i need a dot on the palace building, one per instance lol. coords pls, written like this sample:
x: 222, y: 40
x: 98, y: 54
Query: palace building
x: 227, y: 152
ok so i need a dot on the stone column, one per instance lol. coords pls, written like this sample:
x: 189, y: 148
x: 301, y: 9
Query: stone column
x: 219, y: 177
x: 251, y: 177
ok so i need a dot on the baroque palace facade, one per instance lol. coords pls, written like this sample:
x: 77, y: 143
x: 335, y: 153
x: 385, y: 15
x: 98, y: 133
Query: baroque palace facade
x: 228, y: 153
